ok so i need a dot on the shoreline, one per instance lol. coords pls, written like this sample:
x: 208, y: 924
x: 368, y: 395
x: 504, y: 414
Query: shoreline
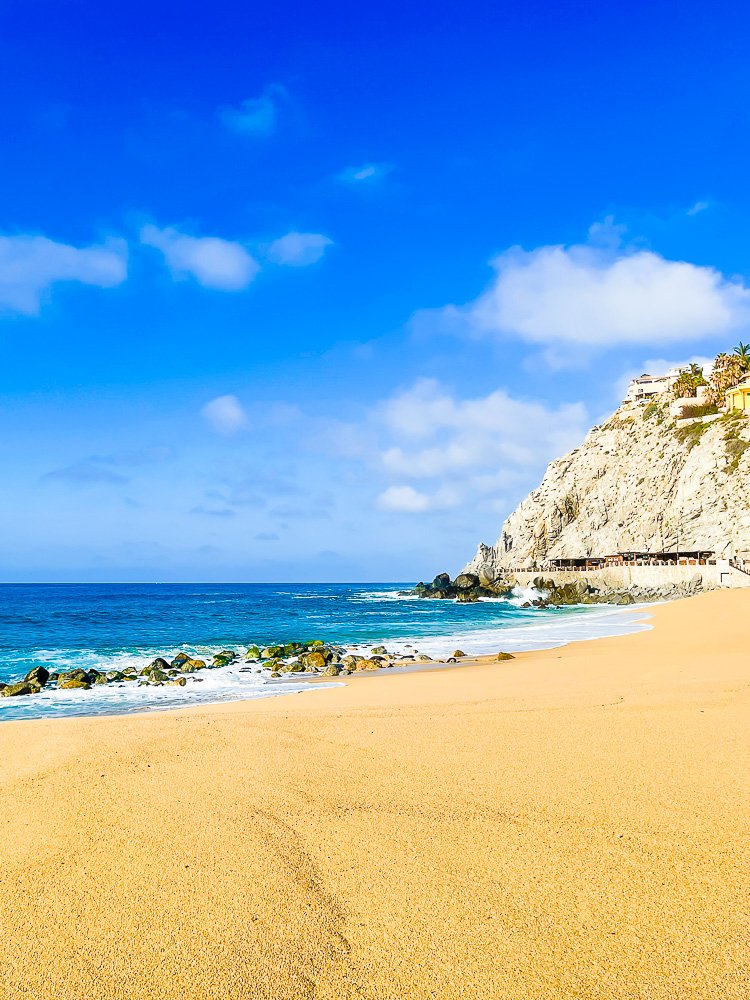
x: 572, y: 822
x: 557, y: 634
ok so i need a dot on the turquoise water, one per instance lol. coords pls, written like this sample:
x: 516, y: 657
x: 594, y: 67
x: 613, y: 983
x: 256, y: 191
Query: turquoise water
x: 109, y: 626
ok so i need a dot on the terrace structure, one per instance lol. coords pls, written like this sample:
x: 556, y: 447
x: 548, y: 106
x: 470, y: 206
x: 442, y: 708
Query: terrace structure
x: 668, y: 557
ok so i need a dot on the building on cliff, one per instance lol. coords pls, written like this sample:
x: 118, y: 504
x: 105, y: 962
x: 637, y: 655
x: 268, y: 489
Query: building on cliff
x: 738, y: 397
x: 646, y: 386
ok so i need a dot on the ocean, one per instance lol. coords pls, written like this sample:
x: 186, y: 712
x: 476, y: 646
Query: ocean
x: 112, y: 626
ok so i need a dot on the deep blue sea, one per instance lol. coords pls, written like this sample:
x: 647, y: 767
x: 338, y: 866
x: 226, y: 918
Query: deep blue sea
x: 108, y: 626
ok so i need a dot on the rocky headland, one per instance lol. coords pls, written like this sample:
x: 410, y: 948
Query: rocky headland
x: 663, y: 478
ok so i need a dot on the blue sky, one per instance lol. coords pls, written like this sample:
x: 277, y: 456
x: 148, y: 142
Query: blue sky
x: 314, y: 292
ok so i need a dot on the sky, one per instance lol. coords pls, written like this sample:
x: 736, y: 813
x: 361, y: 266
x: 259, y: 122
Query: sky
x: 301, y: 292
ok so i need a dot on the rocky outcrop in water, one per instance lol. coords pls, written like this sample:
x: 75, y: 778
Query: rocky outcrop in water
x: 275, y: 661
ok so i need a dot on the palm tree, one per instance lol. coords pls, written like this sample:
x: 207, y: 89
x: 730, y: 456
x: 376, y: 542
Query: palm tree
x: 743, y: 353
x: 695, y: 369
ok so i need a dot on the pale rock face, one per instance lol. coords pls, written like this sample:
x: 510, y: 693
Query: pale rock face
x: 638, y: 482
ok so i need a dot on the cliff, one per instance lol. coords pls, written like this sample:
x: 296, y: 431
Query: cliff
x: 640, y: 481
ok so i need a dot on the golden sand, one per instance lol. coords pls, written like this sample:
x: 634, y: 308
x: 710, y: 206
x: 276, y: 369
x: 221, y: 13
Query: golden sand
x: 572, y: 823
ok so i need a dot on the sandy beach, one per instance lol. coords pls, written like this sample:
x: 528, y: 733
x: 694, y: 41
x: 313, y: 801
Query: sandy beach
x: 572, y: 823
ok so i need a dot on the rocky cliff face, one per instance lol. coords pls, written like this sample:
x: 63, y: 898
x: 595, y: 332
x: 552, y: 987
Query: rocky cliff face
x: 641, y: 482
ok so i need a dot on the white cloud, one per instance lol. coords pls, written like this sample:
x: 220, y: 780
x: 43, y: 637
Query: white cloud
x: 403, y: 498
x: 257, y: 115
x: 298, y: 249
x: 599, y: 295
x: 30, y: 265
x: 213, y: 262
x: 225, y: 414
x: 364, y: 173
x: 698, y: 207
x: 440, y: 452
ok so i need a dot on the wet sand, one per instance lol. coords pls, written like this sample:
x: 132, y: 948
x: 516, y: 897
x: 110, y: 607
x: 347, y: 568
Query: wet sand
x: 571, y: 823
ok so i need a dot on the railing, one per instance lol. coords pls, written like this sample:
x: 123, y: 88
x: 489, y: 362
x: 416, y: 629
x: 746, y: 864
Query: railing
x: 741, y: 565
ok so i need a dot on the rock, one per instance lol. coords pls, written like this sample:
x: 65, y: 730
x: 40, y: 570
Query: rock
x: 39, y: 676
x: 350, y: 660
x: 271, y: 652
x: 466, y: 581
x: 317, y: 659
x: 275, y: 674
x: 115, y: 675
x: 333, y: 670
x: 253, y: 653
x: 101, y: 679
x: 378, y: 649
x: 224, y: 658
x: 178, y: 682
x: 160, y: 663
x: 20, y: 688
x: 69, y: 685
x: 458, y: 653
x: 179, y: 660
x: 191, y: 665
x: 505, y: 656
x: 368, y: 665
x: 73, y: 675
x: 423, y: 658
x: 466, y: 597
x: 441, y: 582
x: 295, y: 667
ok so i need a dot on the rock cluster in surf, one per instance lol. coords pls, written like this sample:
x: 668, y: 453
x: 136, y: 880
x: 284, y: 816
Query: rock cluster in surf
x: 309, y: 658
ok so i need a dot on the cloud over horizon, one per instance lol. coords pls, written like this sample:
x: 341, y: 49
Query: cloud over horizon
x: 457, y: 450
x: 31, y: 265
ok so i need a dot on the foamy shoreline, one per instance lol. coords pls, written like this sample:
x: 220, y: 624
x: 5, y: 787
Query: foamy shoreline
x: 241, y: 683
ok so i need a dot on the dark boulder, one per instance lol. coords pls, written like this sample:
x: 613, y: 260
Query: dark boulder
x: 441, y: 582
x: 39, y: 675
x: 466, y: 581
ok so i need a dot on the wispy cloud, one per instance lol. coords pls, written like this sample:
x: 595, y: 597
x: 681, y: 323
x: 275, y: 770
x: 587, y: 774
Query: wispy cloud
x: 298, y: 249
x: 103, y: 468
x: 225, y: 414
x: 366, y: 173
x: 256, y: 116
x: 266, y: 536
x: 698, y: 207
x: 213, y: 511
x: 31, y: 265
x: 213, y: 262
x: 86, y: 472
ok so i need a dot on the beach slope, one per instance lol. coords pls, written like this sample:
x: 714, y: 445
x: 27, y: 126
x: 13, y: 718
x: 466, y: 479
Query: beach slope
x: 572, y: 823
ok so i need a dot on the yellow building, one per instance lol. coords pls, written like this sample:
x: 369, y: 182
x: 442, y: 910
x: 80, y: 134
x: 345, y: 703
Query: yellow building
x: 738, y: 397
